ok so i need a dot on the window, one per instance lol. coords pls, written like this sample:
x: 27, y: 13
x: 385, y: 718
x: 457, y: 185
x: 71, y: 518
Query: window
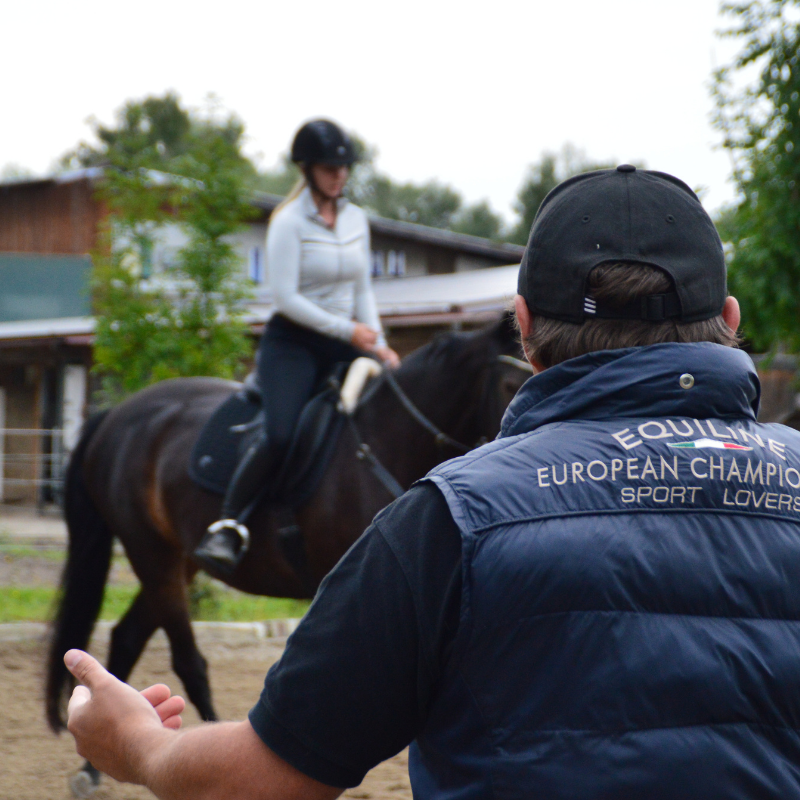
x: 255, y: 268
x: 396, y: 263
x: 377, y: 264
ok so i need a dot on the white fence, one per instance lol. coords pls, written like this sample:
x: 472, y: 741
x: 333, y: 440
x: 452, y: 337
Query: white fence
x: 32, y: 464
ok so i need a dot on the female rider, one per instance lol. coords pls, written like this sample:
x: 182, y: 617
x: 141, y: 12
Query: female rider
x: 318, y: 262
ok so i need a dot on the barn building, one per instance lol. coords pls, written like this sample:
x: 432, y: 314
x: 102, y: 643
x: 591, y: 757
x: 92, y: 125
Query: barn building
x: 426, y: 280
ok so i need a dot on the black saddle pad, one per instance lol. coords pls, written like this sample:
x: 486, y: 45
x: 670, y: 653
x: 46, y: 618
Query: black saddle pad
x: 218, y: 448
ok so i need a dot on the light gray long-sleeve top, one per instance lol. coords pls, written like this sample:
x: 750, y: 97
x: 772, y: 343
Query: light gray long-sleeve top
x: 320, y: 277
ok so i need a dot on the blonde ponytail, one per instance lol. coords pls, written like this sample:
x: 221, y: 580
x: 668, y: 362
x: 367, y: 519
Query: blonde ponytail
x: 293, y: 195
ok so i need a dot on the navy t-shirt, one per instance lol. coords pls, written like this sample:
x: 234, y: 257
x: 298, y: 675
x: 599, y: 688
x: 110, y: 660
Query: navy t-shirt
x: 353, y: 686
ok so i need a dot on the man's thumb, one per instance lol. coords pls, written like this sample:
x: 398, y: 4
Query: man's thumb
x: 83, y: 666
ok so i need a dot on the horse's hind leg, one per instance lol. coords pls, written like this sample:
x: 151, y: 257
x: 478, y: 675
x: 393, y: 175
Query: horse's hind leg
x: 128, y: 640
x: 187, y: 661
x: 163, y: 606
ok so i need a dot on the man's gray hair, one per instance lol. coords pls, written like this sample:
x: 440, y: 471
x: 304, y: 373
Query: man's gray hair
x: 552, y: 341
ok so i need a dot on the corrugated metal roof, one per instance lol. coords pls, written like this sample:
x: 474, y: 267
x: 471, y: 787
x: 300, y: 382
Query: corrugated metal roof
x: 477, y: 290
x: 411, y: 231
x: 47, y: 328
x: 71, y: 176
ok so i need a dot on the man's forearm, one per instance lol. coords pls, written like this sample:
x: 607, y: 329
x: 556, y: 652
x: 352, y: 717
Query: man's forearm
x: 225, y: 760
x: 129, y: 735
x: 196, y: 763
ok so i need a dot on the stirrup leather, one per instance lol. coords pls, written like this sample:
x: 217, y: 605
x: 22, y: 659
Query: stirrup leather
x: 233, y: 525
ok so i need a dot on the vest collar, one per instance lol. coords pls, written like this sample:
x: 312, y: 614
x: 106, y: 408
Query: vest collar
x: 639, y: 382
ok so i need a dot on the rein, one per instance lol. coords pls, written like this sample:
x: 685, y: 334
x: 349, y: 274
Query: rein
x: 364, y: 451
x: 439, y: 436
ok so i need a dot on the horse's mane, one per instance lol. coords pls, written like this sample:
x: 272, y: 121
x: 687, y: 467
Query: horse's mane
x: 436, y: 352
x: 452, y: 357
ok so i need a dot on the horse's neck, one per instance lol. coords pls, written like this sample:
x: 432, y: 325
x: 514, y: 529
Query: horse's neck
x: 400, y: 441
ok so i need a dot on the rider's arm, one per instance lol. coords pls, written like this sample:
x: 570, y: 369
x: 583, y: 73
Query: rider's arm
x: 366, y: 308
x: 283, y: 271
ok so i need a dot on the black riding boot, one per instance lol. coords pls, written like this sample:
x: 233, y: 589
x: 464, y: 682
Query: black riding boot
x: 227, y: 540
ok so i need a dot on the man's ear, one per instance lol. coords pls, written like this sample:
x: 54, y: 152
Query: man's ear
x: 523, y: 317
x: 525, y: 321
x: 731, y: 313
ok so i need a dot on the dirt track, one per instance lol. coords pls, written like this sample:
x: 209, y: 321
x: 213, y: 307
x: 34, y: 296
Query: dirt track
x: 35, y: 764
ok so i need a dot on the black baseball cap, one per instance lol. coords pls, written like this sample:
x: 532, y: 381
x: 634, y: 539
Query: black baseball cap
x: 623, y: 214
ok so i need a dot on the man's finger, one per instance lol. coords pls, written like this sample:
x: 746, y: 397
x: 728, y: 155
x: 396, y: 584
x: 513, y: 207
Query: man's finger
x: 80, y: 696
x: 156, y: 694
x: 88, y: 670
x: 170, y: 708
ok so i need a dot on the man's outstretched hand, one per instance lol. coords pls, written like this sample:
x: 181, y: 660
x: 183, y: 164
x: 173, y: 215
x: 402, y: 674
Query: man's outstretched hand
x: 132, y: 737
x: 169, y: 707
x: 115, y: 727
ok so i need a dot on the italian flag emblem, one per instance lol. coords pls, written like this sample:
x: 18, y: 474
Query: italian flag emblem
x: 715, y: 443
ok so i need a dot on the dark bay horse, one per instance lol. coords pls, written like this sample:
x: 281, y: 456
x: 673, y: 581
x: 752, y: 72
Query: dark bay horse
x: 128, y: 478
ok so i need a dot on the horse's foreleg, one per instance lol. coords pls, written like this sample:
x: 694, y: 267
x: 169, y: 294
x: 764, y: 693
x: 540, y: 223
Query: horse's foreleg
x: 187, y: 661
x: 129, y: 637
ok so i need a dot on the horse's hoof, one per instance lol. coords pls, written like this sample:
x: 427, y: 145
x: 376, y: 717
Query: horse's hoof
x: 83, y: 784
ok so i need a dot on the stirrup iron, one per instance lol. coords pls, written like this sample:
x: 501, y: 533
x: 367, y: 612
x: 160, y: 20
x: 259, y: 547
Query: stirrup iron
x: 233, y: 525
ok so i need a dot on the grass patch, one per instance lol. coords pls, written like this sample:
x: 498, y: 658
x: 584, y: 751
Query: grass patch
x: 37, y: 604
x: 11, y: 551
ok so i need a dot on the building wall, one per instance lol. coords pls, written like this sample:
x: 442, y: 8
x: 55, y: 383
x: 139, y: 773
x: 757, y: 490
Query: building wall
x: 468, y: 263
x: 48, y: 218
x: 21, y: 388
x: 407, y: 338
x: 39, y: 389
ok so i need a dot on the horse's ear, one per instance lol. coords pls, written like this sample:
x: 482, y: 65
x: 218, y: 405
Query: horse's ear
x: 505, y: 329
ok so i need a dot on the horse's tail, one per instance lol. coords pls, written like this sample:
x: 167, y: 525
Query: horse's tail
x: 84, y: 577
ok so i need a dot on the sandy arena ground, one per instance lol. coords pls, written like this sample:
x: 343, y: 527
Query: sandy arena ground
x: 35, y: 764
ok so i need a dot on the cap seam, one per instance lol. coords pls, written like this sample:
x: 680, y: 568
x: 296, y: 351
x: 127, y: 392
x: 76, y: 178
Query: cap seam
x: 629, y: 242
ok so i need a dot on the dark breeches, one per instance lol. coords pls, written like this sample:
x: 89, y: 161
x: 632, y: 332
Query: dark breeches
x: 292, y: 362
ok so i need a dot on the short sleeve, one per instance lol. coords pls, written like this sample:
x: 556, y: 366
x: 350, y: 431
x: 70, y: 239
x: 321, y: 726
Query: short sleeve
x: 353, y: 686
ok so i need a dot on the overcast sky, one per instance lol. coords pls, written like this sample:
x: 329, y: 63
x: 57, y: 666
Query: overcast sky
x: 466, y: 92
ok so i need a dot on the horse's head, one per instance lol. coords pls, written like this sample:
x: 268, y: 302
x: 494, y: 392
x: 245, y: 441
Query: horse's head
x: 465, y: 381
x: 504, y: 373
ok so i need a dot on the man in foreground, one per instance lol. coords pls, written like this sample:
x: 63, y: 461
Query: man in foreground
x: 602, y: 603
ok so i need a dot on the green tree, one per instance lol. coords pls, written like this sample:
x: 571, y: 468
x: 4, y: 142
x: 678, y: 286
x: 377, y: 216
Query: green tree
x: 280, y: 179
x: 757, y: 111
x: 542, y: 176
x: 478, y: 219
x: 15, y: 172
x: 431, y: 203
x: 164, y: 166
x: 540, y: 179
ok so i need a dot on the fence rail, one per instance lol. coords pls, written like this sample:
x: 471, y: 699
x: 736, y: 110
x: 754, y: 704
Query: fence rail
x: 34, y: 458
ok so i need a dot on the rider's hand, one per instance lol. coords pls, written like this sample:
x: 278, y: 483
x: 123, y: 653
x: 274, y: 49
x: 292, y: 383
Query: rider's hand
x: 363, y: 336
x: 388, y: 356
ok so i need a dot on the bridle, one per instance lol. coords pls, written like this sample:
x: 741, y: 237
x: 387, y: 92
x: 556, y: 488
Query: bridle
x: 442, y: 439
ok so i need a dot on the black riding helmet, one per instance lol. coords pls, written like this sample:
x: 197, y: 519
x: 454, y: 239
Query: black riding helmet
x: 323, y: 142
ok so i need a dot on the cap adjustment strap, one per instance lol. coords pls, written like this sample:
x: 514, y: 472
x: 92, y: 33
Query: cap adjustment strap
x: 653, y: 308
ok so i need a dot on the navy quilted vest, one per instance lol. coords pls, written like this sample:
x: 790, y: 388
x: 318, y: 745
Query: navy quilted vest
x: 630, y: 623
